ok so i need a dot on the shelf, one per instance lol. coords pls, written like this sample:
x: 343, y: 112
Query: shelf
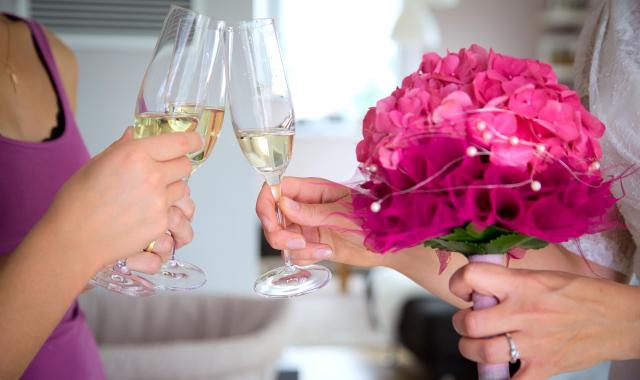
x: 564, y: 72
x: 564, y: 18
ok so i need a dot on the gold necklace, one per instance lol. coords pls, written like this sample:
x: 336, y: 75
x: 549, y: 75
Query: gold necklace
x: 11, y: 71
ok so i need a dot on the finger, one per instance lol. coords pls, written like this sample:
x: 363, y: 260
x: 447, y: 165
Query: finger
x: 486, y: 322
x: 186, y: 205
x: 312, y: 253
x: 284, y: 239
x: 313, y: 190
x: 176, y: 169
x: 493, y: 350
x: 266, y: 209
x: 163, y: 246
x: 175, y: 191
x: 483, y: 278
x: 304, y: 214
x: 145, y: 262
x: 180, y: 227
x: 171, y: 146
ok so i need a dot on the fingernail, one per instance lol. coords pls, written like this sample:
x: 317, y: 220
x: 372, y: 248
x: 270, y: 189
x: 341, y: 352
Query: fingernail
x: 322, y: 253
x: 296, y: 243
x: 290, y: 204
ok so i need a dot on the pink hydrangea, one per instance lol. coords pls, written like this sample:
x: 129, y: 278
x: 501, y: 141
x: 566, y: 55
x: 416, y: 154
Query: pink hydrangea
x: 477, y: 136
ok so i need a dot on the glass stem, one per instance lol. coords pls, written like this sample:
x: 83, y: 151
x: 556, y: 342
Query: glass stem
x: 173, y: 249
x: 121, y: 266
x: 276, y: 190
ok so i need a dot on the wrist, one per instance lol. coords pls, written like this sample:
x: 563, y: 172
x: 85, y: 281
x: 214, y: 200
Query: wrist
x: 62, y: 245
x: 621, y: 328
x: 634, y: 344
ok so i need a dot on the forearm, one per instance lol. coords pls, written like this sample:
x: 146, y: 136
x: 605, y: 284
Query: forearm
x: 38, y: 282
x: 617, y: 319
x: 421, y: 265
x: 556, y: 258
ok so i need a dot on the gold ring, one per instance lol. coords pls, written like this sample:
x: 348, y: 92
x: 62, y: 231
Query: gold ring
x: 150, y: 246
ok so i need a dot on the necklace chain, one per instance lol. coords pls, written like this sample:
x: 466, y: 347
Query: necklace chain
x: 11, y: 72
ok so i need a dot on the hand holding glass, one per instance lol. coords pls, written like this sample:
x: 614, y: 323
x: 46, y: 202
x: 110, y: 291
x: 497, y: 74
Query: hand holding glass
x: 264, y: 124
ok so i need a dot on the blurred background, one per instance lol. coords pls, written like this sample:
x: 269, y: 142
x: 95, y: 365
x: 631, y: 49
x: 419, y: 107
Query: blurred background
x: 340, y: 56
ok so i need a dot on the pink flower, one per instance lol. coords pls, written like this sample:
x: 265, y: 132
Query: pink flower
x: 465, y: 138
x: 505, y: 154
x: 505, y: 67
x: 561, y: 119
x: 452, y: 107
x: 389, y: 158
x: 528, y: 102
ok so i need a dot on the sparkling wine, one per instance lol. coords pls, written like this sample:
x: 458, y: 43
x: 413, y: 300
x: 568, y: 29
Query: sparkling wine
x: 154, y: 124
x: 183, y: 118
x: 267, y: 150
x: 209, y: 126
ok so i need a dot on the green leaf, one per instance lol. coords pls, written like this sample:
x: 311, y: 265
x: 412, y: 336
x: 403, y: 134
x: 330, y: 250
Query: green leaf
x: 534, y: 243
x: 504, y: 243
x: 458, y: 234
x: 466, y: 248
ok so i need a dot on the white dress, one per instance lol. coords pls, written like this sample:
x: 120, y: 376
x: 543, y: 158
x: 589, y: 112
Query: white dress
x: 608, y: 78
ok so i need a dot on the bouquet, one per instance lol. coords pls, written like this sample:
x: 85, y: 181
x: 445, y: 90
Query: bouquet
x: 483, y: 154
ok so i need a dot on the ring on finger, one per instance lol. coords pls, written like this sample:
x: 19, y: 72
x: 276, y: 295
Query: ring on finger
x: 513, y: 349
x: 150, y: 246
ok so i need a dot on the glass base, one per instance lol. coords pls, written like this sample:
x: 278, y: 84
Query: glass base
x: 130, y: 283
x: 286, y: 282
x: 177, y: 276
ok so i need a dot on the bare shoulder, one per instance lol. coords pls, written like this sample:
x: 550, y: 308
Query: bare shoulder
x: 66, y: 63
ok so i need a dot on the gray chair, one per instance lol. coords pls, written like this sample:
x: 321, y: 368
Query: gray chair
x: 187, y: 336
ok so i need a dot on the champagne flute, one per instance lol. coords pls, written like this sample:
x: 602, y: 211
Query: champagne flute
x: 201, y: 91
x: 264, y: 124
x: 173, y: 98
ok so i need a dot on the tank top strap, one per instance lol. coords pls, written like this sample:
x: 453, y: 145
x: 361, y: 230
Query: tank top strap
x: 40, y: 38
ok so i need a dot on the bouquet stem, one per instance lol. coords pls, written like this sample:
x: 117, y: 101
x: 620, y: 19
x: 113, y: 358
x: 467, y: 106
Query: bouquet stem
x: 482, y: 301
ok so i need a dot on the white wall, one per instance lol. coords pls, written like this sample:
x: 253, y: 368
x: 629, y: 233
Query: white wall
x: 509, y: 26
x: 224, y: 189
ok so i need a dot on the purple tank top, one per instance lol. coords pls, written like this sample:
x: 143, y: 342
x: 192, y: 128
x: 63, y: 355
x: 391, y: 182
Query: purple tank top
x: 32, y: 173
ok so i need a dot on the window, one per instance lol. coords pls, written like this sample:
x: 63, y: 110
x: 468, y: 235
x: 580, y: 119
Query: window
x: 339, y: 55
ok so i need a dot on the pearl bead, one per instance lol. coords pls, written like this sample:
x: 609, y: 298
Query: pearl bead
x: 472, y: 151
x: 372, y: 168
x: 514, y: 140
x: 481, y: 126
x: 375, y: 207
x: 594, y: 166
x: 536, y: 186
x: 486, y: 137
x: 540, y: 148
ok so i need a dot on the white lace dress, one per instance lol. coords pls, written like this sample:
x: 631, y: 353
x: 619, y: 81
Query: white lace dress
x: 608, y: 78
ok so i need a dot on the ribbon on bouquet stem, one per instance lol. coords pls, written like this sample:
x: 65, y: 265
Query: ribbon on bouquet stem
x: 482, y: 301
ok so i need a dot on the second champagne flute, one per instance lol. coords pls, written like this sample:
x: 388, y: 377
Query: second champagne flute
x: 188, y: 94
x: 264, y: 124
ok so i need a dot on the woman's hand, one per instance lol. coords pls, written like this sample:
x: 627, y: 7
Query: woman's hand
x: 123, y: 198
x: 560, y: 322
x: 318, y: 227
x: 180, y: 215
